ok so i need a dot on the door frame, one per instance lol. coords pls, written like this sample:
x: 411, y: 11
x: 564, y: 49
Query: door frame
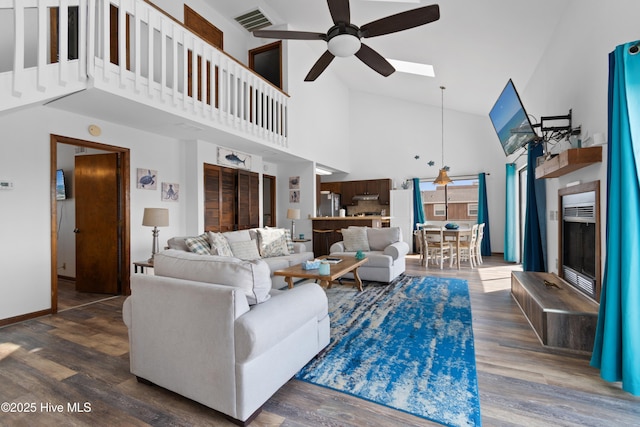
x: 125, y: 228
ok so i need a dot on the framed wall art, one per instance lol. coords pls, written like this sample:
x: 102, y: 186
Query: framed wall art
x: 146, y: 179
x: 234, y: 159
x: 170, y: 192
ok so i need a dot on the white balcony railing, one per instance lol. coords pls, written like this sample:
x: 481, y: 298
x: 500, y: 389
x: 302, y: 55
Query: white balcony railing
x: 129, y: 48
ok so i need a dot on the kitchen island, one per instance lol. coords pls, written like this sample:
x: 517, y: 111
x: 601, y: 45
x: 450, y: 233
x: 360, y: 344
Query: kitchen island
x: 326, y: 229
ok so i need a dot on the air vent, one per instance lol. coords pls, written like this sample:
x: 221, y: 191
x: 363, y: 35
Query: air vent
x: 253, y: 20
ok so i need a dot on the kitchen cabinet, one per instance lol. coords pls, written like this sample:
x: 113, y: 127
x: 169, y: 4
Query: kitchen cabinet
x: 348, y: 189
x: 332, y: 187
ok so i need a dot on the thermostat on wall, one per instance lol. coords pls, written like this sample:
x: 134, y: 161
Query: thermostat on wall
x: 6, y: 185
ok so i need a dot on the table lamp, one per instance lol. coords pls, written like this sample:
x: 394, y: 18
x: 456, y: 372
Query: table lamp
x: 293, y: 214
x: 155, y: 217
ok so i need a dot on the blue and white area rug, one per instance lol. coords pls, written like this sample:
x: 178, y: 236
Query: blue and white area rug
x: 407, y: 345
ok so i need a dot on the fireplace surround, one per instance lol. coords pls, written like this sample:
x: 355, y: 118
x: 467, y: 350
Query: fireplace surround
x: 579, y: 237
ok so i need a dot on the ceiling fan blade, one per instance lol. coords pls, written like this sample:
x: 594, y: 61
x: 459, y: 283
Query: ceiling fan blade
x: 320, y: 65
x: 401, y: 21
x: 374, y: 60
x: 289, y: 35
x: 340, y: 11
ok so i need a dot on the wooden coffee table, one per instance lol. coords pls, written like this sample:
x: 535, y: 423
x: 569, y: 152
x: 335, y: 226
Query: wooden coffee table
x: 348, y: 265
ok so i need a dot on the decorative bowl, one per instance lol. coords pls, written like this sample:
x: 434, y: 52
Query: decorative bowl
x: 451, y: 226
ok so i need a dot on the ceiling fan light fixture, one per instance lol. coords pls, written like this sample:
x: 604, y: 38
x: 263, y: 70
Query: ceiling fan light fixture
x: 344, y: 45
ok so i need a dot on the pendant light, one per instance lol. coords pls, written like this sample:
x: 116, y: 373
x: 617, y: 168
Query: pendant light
x: 442, y: 178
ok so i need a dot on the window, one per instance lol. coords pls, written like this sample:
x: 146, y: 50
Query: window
x: 457, y: 201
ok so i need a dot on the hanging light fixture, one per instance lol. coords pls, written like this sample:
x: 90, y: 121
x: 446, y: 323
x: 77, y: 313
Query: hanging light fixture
x: 442, y: 178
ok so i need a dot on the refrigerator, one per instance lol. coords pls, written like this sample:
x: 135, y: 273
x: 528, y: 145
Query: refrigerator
x: 329, y: 204
x: 401, y: 204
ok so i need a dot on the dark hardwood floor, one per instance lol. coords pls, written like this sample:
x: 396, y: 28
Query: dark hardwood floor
x: 68, y: 297
x: 81, y: 356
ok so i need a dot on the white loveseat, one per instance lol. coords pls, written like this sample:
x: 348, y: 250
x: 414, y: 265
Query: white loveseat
x: 193, y: 331
x: 384, y: 248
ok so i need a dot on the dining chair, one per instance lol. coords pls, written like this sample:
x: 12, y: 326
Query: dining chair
x: 479, y: 243
x: 468, y: 247
x: 436, y: 248
x: 419, y: 240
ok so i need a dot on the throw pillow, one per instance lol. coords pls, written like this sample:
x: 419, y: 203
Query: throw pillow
x: 380, y: 238
x: 199, y: 245
x: 245, y: 249
x: 219, y: 244
x: 355, y: 239
x: 287, y: 236
x: 272, y: 242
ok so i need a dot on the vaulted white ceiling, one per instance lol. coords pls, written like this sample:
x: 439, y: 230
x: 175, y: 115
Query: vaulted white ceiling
x: 475, y: 47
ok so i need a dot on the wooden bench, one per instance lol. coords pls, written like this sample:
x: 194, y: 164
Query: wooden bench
x: 560, y: 315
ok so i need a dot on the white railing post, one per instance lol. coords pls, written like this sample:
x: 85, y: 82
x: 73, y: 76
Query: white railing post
x: 63, y: 42
x: 18, y: 48
x: 42, y: 45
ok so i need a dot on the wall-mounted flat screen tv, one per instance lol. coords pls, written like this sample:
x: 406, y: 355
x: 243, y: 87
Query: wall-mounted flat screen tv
x: 510, y: 120
x: 61, y: 187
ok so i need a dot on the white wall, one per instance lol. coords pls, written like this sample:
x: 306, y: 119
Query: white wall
x: 25, y: 213
x: 573, y: 74
x: 387, y: 133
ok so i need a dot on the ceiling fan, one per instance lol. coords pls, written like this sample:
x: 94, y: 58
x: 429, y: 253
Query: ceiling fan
x: 343, y: 38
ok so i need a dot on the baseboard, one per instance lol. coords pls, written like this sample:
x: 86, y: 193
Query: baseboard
x: 23, y: 317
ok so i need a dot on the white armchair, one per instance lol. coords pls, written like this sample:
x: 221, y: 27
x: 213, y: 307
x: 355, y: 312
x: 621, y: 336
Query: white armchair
x: 384, y: 248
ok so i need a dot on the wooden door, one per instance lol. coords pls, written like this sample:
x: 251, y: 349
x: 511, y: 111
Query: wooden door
x: 97, y: 218
x: 269, y: 200
x: 219, y: 198
x: 212, y: 181
x: 248, y: 200
x: 254, y: 200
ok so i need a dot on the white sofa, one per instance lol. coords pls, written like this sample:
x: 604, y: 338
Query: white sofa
x: 297, y: 255
x: 193, y: 332
x: 384, y: 248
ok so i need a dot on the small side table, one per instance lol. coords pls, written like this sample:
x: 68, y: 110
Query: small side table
x: 142, y: 265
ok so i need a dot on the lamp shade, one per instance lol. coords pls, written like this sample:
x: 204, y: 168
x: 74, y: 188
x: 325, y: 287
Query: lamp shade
x: 293, y: 213
x: 443, y: 178
x: 156, y: 217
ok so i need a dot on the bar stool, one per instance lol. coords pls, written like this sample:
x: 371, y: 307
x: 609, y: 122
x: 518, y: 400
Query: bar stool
x: 324, y: 234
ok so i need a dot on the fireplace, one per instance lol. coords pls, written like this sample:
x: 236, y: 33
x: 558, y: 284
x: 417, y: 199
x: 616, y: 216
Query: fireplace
x: 579, y: 238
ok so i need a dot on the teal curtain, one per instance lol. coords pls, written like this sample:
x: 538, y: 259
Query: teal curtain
x: 483, y: 215
x: 616, y: 349
x: 511, y: 208
x: 535, y: 224
x: 418, y: 212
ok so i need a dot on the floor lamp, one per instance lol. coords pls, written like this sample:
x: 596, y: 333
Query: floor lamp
x: 293, y: 214
x: 155, y: 217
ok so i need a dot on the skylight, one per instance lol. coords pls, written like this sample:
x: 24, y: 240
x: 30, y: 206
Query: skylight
x: 413, y: 68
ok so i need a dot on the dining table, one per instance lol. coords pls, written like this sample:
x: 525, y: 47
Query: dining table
x: 453, y: 234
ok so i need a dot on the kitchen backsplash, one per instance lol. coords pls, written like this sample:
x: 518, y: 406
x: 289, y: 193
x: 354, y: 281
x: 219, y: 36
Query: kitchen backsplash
x: 368, y: 207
